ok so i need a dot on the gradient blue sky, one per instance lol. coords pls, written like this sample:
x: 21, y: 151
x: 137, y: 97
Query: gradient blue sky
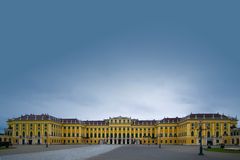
x: 142, y: 59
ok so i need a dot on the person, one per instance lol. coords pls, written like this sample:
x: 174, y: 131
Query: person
x: 46, y: 145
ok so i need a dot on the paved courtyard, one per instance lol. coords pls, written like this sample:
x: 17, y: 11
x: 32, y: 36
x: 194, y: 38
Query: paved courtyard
x: 111, y: 152
x: 55, y: 152
x: 169, y: 152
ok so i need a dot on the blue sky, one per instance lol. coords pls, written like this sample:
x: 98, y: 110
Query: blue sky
x: 98, y: 59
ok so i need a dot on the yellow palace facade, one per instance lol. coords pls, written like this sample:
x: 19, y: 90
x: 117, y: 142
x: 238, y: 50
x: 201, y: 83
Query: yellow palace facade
x: 42, y: 129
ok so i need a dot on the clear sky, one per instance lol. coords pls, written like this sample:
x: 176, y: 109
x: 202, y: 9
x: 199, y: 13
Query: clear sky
x: 99, y: 59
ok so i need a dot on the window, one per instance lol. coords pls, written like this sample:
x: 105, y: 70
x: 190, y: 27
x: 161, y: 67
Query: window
x: 192, y: 133
x: 16, y: 133
x: 217, y: 134
x: 225, y: 133
x: 208, y: 134
x: 192, y: 141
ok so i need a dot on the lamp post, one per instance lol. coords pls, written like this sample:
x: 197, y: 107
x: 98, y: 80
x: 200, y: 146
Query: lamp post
x: 200, y: 136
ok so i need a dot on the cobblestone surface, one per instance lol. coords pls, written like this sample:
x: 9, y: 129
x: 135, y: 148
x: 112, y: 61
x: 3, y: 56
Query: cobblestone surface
x: 63, y: 154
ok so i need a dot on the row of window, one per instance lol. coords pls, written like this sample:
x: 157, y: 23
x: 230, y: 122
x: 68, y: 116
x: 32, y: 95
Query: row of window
x: 209, y: 134
x: 118, y: 135
x: 31, y: 134
x: 120, y: 129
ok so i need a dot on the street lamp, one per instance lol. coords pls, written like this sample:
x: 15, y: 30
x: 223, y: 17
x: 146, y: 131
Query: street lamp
x: 200, y: 136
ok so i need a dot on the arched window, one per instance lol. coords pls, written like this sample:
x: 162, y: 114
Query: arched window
x: 17, y: 133
x: 39, y: 134
x: 192, y: 133
x: 31, y: 134
x: 45, y: 133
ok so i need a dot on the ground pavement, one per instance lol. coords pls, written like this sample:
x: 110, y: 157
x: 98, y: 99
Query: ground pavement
x: 111, y: 152
x: 169, y: 152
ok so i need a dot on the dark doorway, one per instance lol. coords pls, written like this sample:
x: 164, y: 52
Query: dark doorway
x: 38, y: 141
x: 23, y: 141
x: 30, y: 142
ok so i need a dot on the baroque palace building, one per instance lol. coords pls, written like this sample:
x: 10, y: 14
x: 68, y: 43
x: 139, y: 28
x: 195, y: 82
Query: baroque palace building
x: 42, y: 129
